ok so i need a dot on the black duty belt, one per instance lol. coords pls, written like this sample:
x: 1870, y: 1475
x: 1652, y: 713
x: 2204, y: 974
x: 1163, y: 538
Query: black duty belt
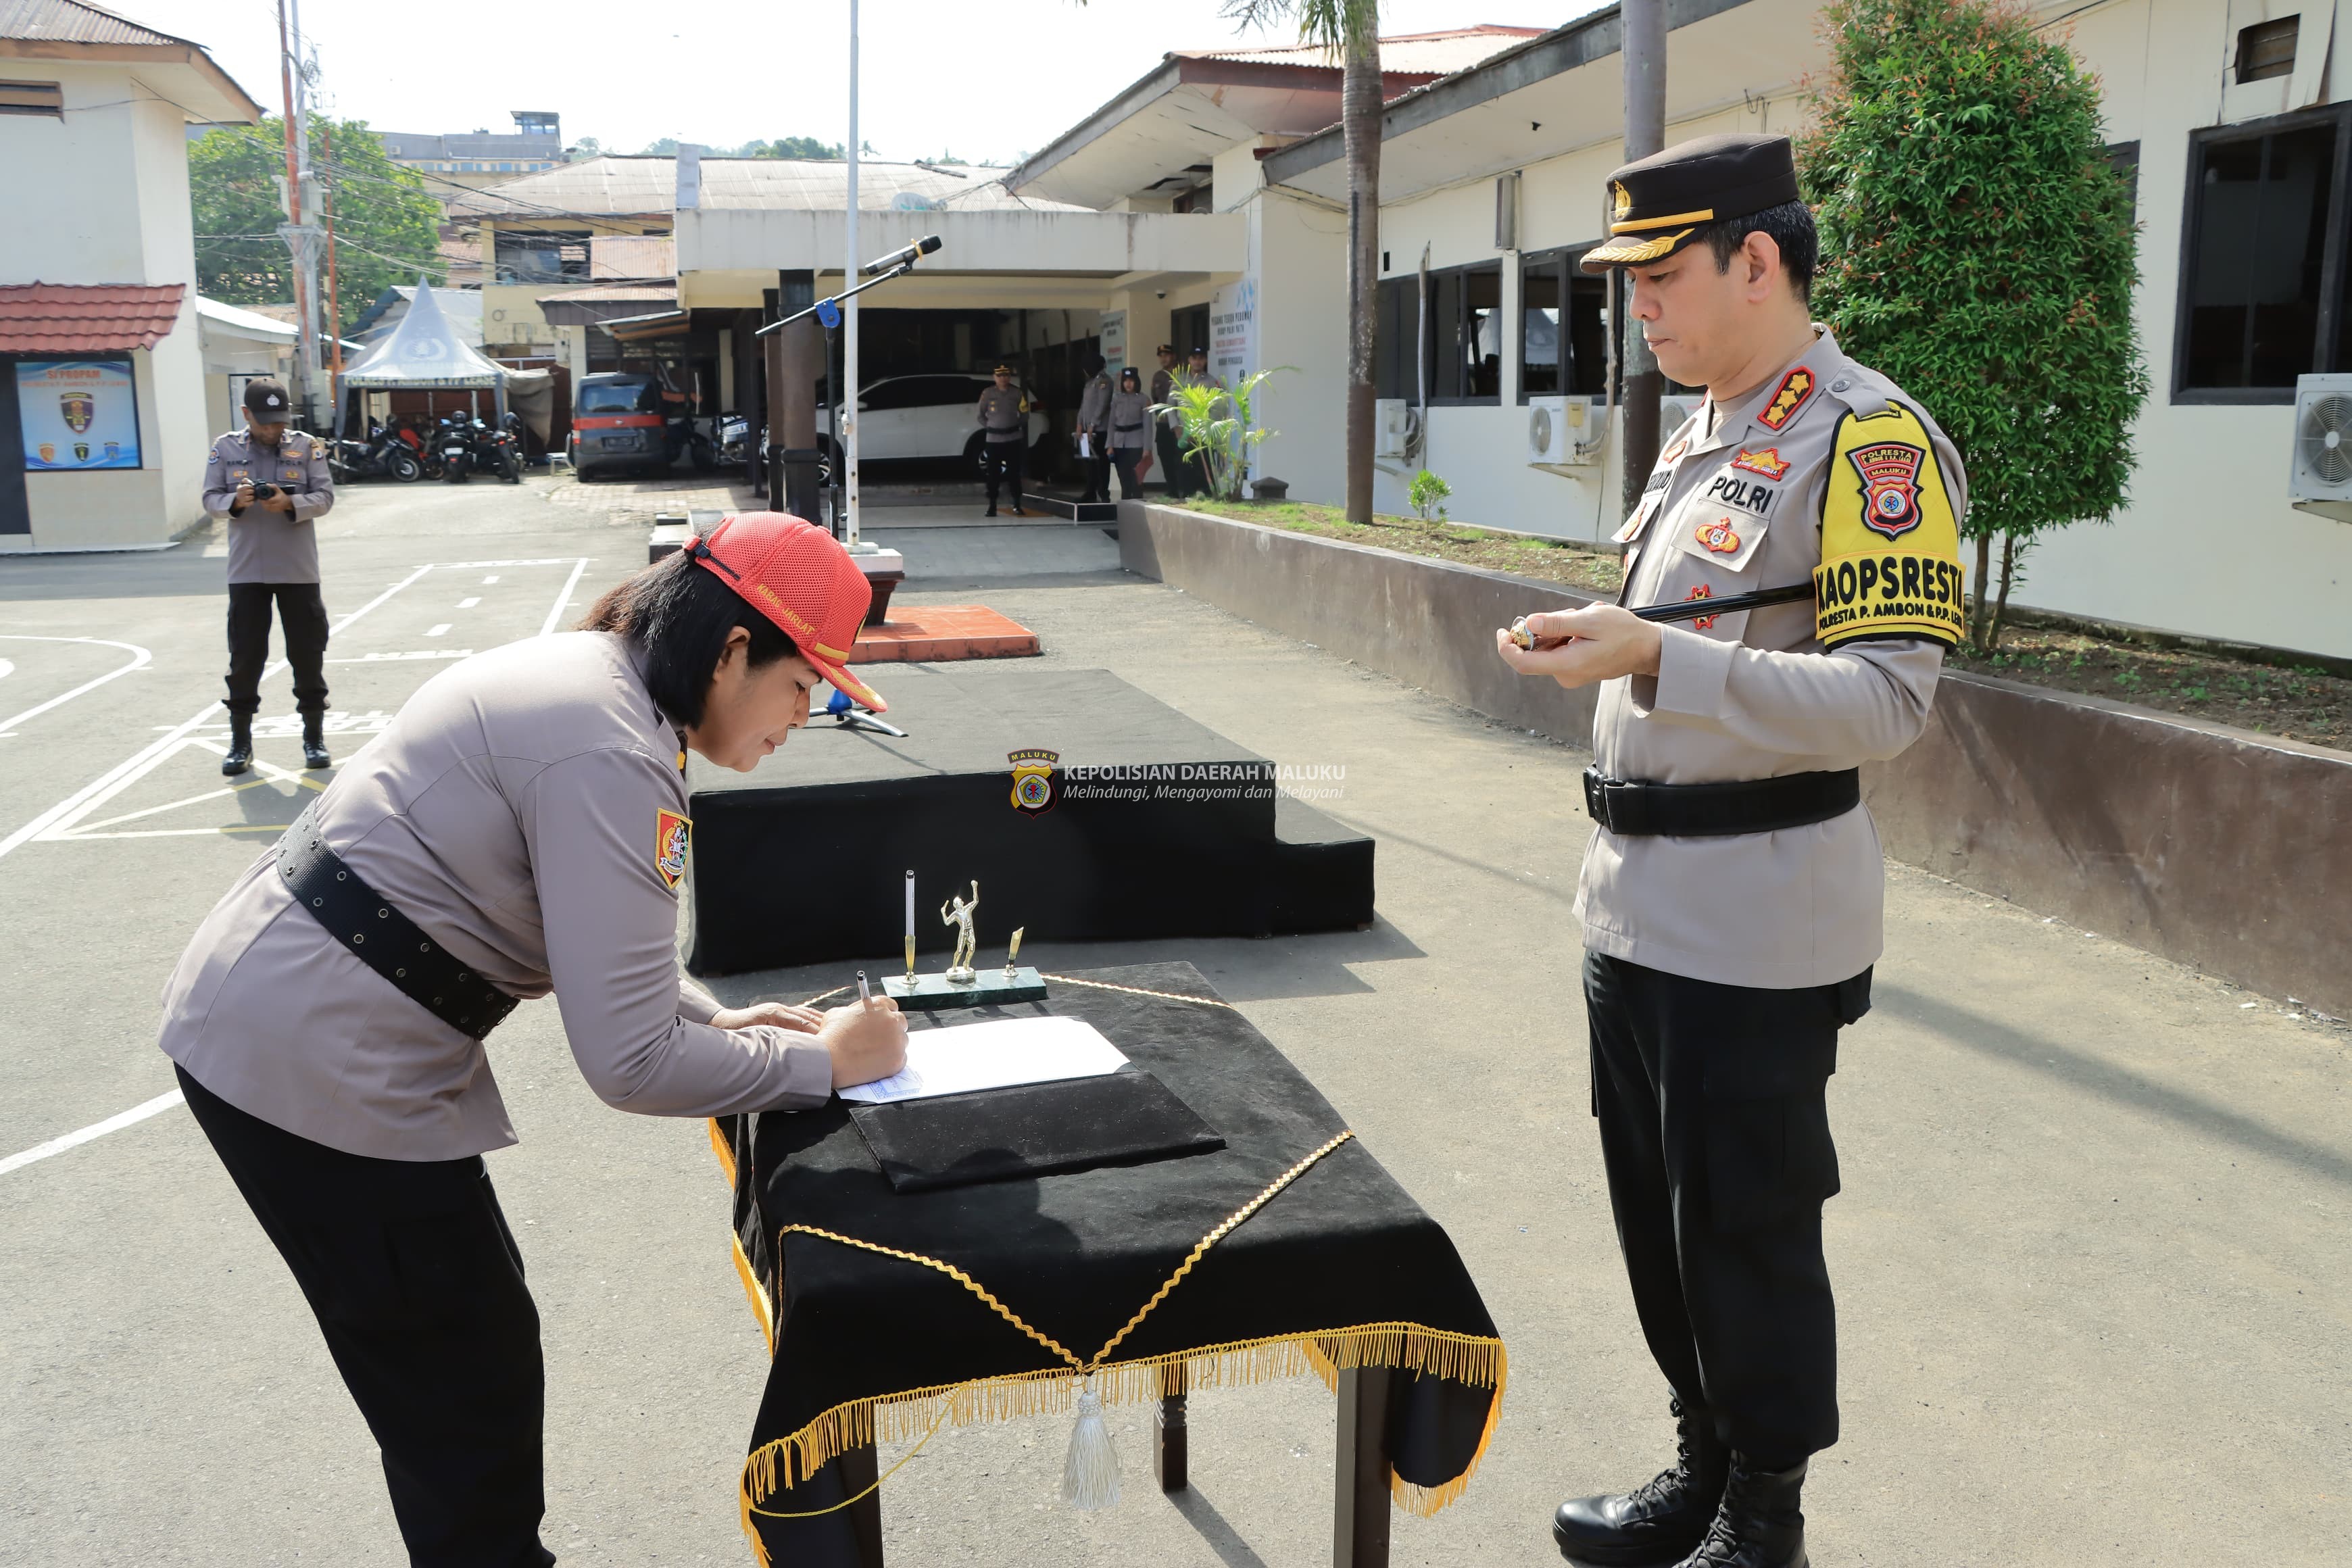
x: 1720, y: 810
x: 1127, y: 426
x: 383, y: 938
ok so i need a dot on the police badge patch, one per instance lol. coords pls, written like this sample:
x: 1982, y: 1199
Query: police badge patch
x: 1890, y: 486
x: 673, y: 837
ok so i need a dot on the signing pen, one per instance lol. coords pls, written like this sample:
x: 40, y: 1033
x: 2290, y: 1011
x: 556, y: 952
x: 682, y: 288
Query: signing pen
x: 864, y: 993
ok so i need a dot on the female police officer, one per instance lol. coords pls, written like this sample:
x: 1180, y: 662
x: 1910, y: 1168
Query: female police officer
x: 519, y: 828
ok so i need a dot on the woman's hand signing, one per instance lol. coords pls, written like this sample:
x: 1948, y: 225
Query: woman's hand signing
x: 867, y: 1040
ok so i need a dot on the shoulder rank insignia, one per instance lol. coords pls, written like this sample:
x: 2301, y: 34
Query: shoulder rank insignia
x: 1787, y: 398
x: 1890, y: 541
x: 673, y: 836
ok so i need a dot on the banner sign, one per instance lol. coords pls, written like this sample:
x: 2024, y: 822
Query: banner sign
x: 77, y: 414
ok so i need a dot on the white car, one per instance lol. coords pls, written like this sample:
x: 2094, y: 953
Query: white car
x: 923, y: 416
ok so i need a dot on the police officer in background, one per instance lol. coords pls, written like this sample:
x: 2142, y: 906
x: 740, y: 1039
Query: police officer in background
x: 1003, y: 415
x: 519, y: 828
x: 1094, y: 424
x: 1170, y: 448
x: 271, y: 484
x: 1732, y: 891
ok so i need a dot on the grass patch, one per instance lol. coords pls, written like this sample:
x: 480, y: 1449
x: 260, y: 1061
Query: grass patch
x: 1555, y: 561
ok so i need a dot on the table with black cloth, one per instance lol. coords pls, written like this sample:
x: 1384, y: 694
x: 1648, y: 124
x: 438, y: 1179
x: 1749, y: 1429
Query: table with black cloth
x: 1339, y: 1274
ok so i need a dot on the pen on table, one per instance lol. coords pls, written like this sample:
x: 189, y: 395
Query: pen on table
x: 865, y: 992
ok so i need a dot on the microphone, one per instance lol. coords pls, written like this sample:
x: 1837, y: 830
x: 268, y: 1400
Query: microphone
x: 905, y: 258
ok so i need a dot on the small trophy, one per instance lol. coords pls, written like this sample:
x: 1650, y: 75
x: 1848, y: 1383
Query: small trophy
x: 962, y: 985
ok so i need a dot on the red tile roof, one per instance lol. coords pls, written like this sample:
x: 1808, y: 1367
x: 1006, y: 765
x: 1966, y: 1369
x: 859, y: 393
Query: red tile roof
x: 86, y: 317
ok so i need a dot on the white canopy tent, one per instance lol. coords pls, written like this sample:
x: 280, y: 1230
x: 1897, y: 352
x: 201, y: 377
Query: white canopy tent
x: 423, y: 352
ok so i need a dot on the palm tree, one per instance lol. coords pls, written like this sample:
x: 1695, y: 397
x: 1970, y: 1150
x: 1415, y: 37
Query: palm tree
x: 1350, y: 29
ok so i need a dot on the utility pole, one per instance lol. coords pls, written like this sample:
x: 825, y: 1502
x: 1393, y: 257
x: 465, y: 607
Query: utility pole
x: 1644, y: 25
x: 850, y: 377
x: 334, y: 298
x: 300, y: 236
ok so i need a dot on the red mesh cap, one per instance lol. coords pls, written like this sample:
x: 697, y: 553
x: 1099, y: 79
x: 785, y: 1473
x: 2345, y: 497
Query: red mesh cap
x: 800, y: 577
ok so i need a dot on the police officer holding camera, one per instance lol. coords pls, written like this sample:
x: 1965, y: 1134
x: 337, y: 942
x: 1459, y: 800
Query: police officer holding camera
x: 270, y: 484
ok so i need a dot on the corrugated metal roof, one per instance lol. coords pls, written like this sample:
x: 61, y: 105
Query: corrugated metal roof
x: 617, y: 186
x: 74, y: 22
x: 86, y: 317
x: 1411, y: 54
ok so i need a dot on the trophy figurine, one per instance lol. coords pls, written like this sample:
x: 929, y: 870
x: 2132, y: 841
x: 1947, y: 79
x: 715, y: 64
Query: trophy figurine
x: 958, y: 912
x: 962, y: 985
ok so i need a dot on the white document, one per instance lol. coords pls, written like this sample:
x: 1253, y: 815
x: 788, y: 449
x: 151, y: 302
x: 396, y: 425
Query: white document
x: 994, y: 1055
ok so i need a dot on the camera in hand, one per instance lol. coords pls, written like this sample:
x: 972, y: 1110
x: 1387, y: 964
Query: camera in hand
x: 263, y: 489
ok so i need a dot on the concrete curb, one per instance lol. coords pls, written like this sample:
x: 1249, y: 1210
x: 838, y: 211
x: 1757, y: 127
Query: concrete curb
x: 2212, y: 847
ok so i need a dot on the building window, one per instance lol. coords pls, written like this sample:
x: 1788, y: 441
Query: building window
x: 2262, y: 260
x: 1462, y: 335
x: 2267, y: 49
x: 44, y: 97
x: 1563, y: 328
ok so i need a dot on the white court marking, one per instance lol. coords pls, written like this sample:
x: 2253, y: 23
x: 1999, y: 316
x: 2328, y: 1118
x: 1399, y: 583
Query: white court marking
x: 66, y: 813
x: 115, y: 1123
x: 138, y: 660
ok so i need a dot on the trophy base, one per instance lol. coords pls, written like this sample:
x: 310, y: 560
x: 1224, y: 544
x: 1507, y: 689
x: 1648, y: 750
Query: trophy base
x: 988, y: 988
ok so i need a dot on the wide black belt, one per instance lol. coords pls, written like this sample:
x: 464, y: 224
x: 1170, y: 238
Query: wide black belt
x: 1720, y: 810
x: 383, y: 938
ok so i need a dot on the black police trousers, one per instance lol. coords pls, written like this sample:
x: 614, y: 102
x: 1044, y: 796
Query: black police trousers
x: 1715, y: 1132
x: 417, y: 1285
x: 1175, y: 468
x: 1001, y: 460
x: 303, y: 617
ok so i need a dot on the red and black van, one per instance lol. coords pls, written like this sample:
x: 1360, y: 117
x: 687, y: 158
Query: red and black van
x: 619, y: 422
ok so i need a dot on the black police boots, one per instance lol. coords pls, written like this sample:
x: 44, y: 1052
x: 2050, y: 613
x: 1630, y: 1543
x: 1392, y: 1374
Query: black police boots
x: 1758, y: 1525
x: 1655, y: 1524
x: 314, y: 744
x: 240, y: 745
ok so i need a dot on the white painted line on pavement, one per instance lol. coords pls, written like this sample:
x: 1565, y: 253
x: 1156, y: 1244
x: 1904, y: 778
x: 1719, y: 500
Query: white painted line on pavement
x: 139, y: 656
x: 170, y: 740
x: 440, y: 631
x: 556, y: 613
x: 136, y: 1114
x: 469, y: 604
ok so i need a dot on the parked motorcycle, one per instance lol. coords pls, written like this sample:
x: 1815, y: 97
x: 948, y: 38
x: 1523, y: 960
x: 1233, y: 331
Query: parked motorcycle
x: 382, y: 455
x: 454, y: 439
x: 719, y: 441
x: 468, y: 447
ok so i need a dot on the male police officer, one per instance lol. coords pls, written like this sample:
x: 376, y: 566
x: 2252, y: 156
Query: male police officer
x: 1732, y: 891
x: 271, y: 484
x: 1005, y: 437
x: 1164, y: 427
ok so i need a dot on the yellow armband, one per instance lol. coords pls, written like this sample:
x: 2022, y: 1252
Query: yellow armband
x: 1890, y: 543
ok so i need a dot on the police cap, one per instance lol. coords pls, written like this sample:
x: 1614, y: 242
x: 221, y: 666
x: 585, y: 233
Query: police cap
x: 265, y: 397
x: 1661, y: 202
x: 1002, y: 370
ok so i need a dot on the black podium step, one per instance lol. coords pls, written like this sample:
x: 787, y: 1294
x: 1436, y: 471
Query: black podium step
x: 805, y: 859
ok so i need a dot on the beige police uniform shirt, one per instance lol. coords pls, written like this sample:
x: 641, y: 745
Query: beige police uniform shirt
x: 1094, y: 404
x: 1001, y: 414
x: 515, y: 810
x: 1129, y: 419
x: 265, y: 546
x: 1734, y: 505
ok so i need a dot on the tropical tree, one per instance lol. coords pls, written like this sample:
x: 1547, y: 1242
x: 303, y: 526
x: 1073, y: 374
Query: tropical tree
x: 387, y: 225
x: 1349, y: 30
x: 1977, y: 246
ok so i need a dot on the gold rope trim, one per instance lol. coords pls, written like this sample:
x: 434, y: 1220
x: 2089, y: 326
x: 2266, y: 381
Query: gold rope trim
x: 1473, y: 1360
x: 724, y: 1150
x: 1139, y: 990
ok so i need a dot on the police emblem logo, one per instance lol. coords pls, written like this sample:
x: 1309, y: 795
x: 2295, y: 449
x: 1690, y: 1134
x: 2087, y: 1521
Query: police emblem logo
x: 81, y: 451
x: 673, y: 837
x: 1890, y: 486
x: 1795, y: 388
x: 1720, y: 536
x: 1032, y: 780
x: 80, y: 409
x: 1622, y: 202
x: 1768, y: 462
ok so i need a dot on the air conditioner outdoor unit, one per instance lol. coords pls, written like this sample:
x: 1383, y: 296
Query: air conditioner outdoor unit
x: 2319, y: 465
x: 1563, y: 431
x: 1391, y: 427
x: 1673, y: 411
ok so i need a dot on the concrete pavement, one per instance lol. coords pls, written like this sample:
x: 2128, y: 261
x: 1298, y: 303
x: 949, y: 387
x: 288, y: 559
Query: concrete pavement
x: 2089, y: 1254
